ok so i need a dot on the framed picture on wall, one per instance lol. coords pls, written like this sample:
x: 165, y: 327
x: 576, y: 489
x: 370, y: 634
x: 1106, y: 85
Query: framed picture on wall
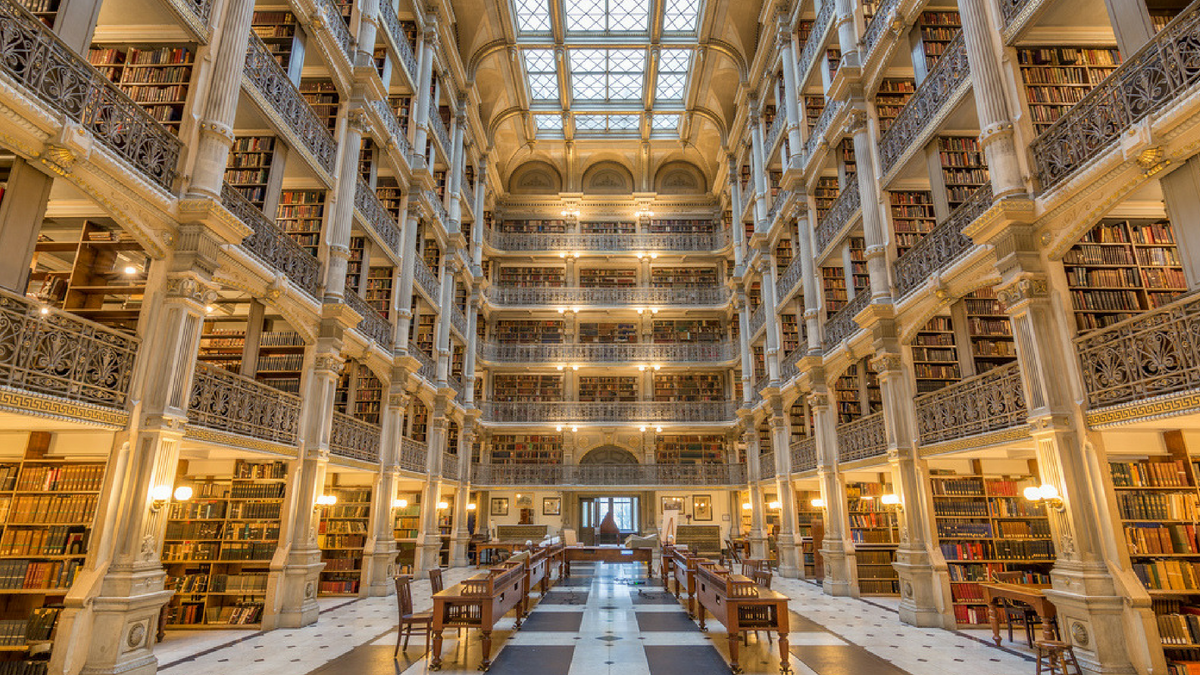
x: 499, y: 506
x: 672, y: 504
x: 702, y: 507
x: 552, y: 506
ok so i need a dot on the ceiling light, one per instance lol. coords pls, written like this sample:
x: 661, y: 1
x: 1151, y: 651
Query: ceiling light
x: 818, y: 503
x: 130, y: 270
x: 400, y: 503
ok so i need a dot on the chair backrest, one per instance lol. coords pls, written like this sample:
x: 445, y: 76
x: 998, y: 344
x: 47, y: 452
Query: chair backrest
x: 569, y: 537
x: 762, y: 578
x: 435, y: 580
x: 404, y: 595
x: 1009, y: 577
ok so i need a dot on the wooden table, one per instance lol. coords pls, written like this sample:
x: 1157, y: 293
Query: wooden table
x: 612, y: 554
x: 742, y: 606
x: 510, y: 546
x: 683, y: 568
x: 1029, y: 594
x: 479, y: 602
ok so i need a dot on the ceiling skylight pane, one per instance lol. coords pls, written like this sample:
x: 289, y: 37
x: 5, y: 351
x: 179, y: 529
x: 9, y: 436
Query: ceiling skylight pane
x: 607, y: 74
x: 586, y: 15
x: 548, y: 122
x: 628, y: 15
x: 680, y: 16
x: 607, y: 16
x: 533, y: 16
x: 624, y: 122
x: 542, y: 73
x: 673, y: 67
x: 672, y: 60
x: 589, y: 122
x: 664, y: 122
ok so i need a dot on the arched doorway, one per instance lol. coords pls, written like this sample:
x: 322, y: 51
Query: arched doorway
x: 608, y: 454
x: 622, y: 510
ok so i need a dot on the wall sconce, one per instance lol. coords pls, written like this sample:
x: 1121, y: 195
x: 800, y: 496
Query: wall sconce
x: 471, y: 506
x: 892, y: 500
x: 640, y: 310
x: 818, y: 503
x: 658, y: 429
x: 1045, y: 494
x: 654, y: 310
x: 162, y: 494
x: 400, y: 503
x: 642, y: 429
x: 653, y: 256
x: 775, y: 505
x: 46, y: 310
x: 746, y: 506
x: 574, y: 429
x: 443, y: 506
x: 574, y: 310
x: 326, y: 500
x: 130, y: 270
x: 558, y: 428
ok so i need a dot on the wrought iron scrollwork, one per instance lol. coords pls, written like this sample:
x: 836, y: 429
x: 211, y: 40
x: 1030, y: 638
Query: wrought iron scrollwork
x: 413, y: 455
x: 942, y: 245
x: 842, y: 325
x: 372, y: 325
x: 804, y: 454
x: 519, y: 296
x: 426, y: 279
x: 637, y: 411
x: 989, y: 402
x: 608, y: 474
x: 862, y: 438
x: 651, y: 241
x: 273, y: 246
x: 841, y: 213
x: 353, y: 438
x: 375, y: 215
x: 232, y: 403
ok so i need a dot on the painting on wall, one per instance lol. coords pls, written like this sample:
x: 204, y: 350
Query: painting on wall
x: 702, y: 507
x: 672, y: 504
x: 499, y: 506
x: 552, y: 506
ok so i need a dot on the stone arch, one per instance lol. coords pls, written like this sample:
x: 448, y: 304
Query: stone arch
x: 535, y: 177
x: 607, y: 178
x: 609, y: 455
x: 680, y: 178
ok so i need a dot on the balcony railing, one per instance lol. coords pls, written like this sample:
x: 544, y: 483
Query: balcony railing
x: 747, y: 194
x: 943, y: 245
x: 373, y: 325
x: 449, y: 466
x: 392, y: 125
x: 467, y: 191
x: 273, y: 246
x: 32, y: 57
x: 757, y: 319
x: 439, y: 209
x: 586, y: 475
x: 529, y: 296
x: 861, y: 439
x: 789, y: 369
x: 816, y: 39
x: 776, y: 129
x: 839, y: 216
x: 1011, y: 9
x: 1152, y: 354
x: 61, y: 355
x: 333, y: 20
x: 277, y: 92
x: 766, y: 465
x: 804, y: 454
x: 428, y: 369
x: 456, y: 383
x: 842, y: 325
x: 513, y: 241
x: 239, y: 405
x: 637, y: 352
x: 950, y: 77
x: 777, y: 203
x: 989, y: 402
x: 459, y: 321
x: 627, y: 412
x: 413, y: 455
x: 438, y: 127
x: 353, y: 438
x: 789, y: 278
x: 817, y: 137
x: 878, y: 26
x: 399, y: 39
x: 1158, y: 75
x: 376, y: 216
x: 426, y: 279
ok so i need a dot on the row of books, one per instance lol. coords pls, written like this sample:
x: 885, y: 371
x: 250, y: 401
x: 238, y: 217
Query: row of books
x: 1033, y: 549
x: 257, y: 491
x: 1169, y: 575
x: 29, y: 574
x: 1154, y: 538
x: 69, y: 478
x: 54, y: 540
x: 1172, y: 473
x: 51, y: 509
x: 1170, y: 506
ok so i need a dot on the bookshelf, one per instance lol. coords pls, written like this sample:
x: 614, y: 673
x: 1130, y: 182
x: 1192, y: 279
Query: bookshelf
x: 531, y: 277
x: 912, y: 218
x: 218, y: 546
x: 278, y: 32
x: 156, y: 77
x: 890, y: 99
x: 985, y: 526
x: 354, y: 265
x: 523, y: 331
x: 858, y: 265
x: 686, y: 330
x: 689, y: 387
x: 689, y: 449
x: 1121, y: 268
x: 833, y: 282
x: 683, y: 277
x: 248, y: 169
x: 603, y: 389
x: 379, y: 289
x: 989, y: 330
x: 527, y: 449
x: 682, y: 226
x: 341, y: 536
x: 847, y: 163
x: 937, y: 30
x: 963, y: 167
x: 45, y: 10
x: 1056, y: 78
x: 608, y: 333
x: 391, y: 197
x: 424, y: 335
x: 508, y: 388
x: 875, y: 532
x: 594, y: 277
x: 322, y: 96
x: 811, y: 530
x: 280, y: 357
x: 935, y: 356
x: 848, y: 394
x: 534, y: 226
x: 300, y: 214
x: 418, y: 422
x: 406, y: 527
x: 813, y: 107
x: 789, y: 327
x: 783, y: 255
x: 368, y: 395
x: 825, y: 193
x: 607, y: 227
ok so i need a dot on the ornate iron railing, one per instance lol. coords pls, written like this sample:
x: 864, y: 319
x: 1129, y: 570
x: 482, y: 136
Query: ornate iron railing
x: 195, y: 12
x: 789, y: 278
x: 392, y: 125
x: 943, y: 245
x: 776, y: 129
x: 757, y: 319
x: 637, y: 352
x: 439, y: 209
x: 240, y: 405
x: 519, y: 296
x: 276, y: 90
x: 395, y: 32
x: 428, y: 369
x: 747, y: 194
x: 353, y: 438
x: 766, y: 465
x: 376, y: 216
x: 817, y: 137
x: 629, y: 412
x: 272, y: 245
x: 426, y: 279
x: 438, y: 127
x: 336, y: 23
x: 1156, y: 76
x: 467, y: 192
x: 456, y: 383
x: 789, y: 368
x: 841, y: 325
x: 841, y: 213
x: 33, y: 57
x: 879, y: 25
x: 609, y: 474
x: 949, y: 77
x: 1152, y: 354
x: 862, y: 438
x: 459, y: 321
x: 776, y: 205
x: 512, y: 241
x: 804, y: 454
x: 62, y: 355
x: 413, y: 455
x: 449, y: 466
x: 992, y: 401
x: 373, y: 325
x: 816, y: 38
x: 1011, y: 9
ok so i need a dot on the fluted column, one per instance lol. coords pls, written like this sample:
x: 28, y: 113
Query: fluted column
x: 766, y: 266
x: 847, y: 30
x: 429, y: 541
x: 364, y: 38
x: 450, y: 267
x: 338, y: 226
x: 420, y: 118
x: 758, y: 539
x: 454, y: 178
x: 479, y: 207
x: 379, y: 555
x: 758, y: 168
x: 841, y: 573
x: 474, y: 302
x: 808, y: 279
x: 787, y: 543
x: 987, y: 86
x: 874, y: 227
x: 735, y: 207
x: 460, y: 535
x: 791, y: 87
x: 742, y: 308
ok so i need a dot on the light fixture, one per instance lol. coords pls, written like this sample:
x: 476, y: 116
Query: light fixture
x: 209, y: 309
x: 653, y: 256
x: 563, y: 254
x: 774, y: 506
x: 890, y: 500
x: 641, y: 369
x: 575, y: 367
x: 640, y: 310
x: 558, y: 428
x: 656, y: 366
x: 658, y: 429
x: 640, y: 255
x: 745, y: 506
x: 574, y: 429
x: 654, y: 310
x: 1045, y: 494
x: 642, y: 429
x: 574, y: 310
x: 159, y: 497
x: 818, y: 503
x: 560, y: 367
x: 130, y: 270
x: 443, y: 505
x: 44, y: 310
x: 562, y: 310
x: 471, y: 506
x: 400, y: 504
x: 326, y: 500
x: 183, y: 493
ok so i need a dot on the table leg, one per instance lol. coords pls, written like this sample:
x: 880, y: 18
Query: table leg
x: 994, y: 619
x: 1047, y: 626
x: 785, y: 657
x: 733, y: 652
x: 436, y: 663
x: 692, y: 608
x: 486, y: 648
x: 700, y: 617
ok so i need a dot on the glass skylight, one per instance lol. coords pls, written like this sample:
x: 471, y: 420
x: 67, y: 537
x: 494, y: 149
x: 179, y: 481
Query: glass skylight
x: 548, y: 122
x: 664, y: 122
x: 680, y: 16
x: 607, y: 16
x: 673, y: 67
x: 533, y: 16
x: 543, y: 76
x: 587, y: 123
x: 607, y: 74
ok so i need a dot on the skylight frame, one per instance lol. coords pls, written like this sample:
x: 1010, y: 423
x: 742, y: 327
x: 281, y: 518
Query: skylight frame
x: 532, y: 17
x: 594, y: 123
x: 672, y: 76
x: 606, y: 75
x: 606, y: 17
x: 541, y: 74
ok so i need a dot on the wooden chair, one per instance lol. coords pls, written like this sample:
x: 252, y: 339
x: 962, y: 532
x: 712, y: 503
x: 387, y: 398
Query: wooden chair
x: 435, y: 581
x: 408, y: 618
x: 762, y: 579
x: 1056, y: 658
x: 1015, y: 612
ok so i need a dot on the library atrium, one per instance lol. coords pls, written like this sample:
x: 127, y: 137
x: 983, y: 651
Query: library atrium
x: 585, y: 337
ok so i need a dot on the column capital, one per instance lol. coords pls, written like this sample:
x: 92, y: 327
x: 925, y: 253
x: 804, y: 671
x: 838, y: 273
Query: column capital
x: 1023, y: 290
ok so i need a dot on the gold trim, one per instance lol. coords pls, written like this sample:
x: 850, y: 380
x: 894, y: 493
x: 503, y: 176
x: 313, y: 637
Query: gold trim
x: 52, y: 407
x: 206, y: 435
x: 1167, y: 405
x: 979, y: 441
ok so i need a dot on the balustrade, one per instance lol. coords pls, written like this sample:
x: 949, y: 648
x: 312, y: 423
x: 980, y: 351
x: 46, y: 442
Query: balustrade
x: 949, y: 79
x: 776, y: 130
x: 459, y: 321
x: 861, y: 439
x: 627, y: 412
x: 570, y: 241
x: 880, y: 23
x: 228, y: 402
x: 1156, y: 76
x: 1152, y: 354
x: 467, y: 192
x: 332, y: 19
x: 816, y: 39
x: 781, y: 198
x: 843, y: 212
x: 61, y: 355
x: 789, y: 368
x: 621, y: 352
x: 413, y: 455
x: 766, y: 464
x: 747, y: 195
x: 276, y: 91
x: 685, y: 475
x: 941, y: 246
x: 428, y: 369
x: 989, y: 402
x: 43, y: 66
x: 817, y: 137
x: 804, y: 454
x: 395, y: 32
x: 273, y: 246
x: 372, y: 325
x: 456, y: 383
x: 394, y: 129
x: 842, y: 325
x: 427, y: 280
x: 789, y: 278
x: 757, y: 319
x: 438, y: 127
x: 439, y: 209
x: 353, y: 438
x: 520, y: 296
x: 372, y: 211
x: 449, y: 466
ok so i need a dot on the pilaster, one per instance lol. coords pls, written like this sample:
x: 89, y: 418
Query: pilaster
x: 379, y: 556
x: 838, y: 553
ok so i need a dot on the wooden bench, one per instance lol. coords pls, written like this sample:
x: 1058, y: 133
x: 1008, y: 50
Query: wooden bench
x: 683, y: 568
x: 742, y: 606
x: 702, y: 540
x: 534, y: 533
x: 480, y: 602
x: 612, y: 554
